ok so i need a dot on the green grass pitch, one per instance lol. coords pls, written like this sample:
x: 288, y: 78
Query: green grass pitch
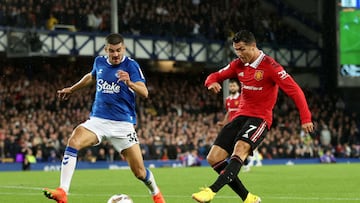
x: 338, y: 183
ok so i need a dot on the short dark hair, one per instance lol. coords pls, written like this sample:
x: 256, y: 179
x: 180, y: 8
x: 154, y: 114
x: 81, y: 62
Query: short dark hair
x: 244, y: 36
x: 114, y: 38
x: 234, y: 80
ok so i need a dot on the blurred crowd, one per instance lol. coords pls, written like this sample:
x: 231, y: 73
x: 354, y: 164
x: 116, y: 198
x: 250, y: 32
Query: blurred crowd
x: 199, y: 19
x: 177, y: 120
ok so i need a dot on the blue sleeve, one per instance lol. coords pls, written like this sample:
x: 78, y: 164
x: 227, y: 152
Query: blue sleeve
x: 93, y: 71
x: 97, y: 60
x: 135, y: 72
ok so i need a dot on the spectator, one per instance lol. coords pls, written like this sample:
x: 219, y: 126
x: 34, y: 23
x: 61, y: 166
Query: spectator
x: 89, y: 157
x: 328, y: 157
x: 325, y: 136
x: 101, y: 156
x: 51, y: 22
x: 191, y: 158
x: 29, y: 159
x: 94, y: 21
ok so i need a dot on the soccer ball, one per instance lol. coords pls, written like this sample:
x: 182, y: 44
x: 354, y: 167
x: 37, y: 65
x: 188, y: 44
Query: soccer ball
x: 122, y: 198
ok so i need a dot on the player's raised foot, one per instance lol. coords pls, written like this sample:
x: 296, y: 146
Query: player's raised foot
x: 59, y: 195
x: 158, y: 198
x: 205, y: 195
x: 251, y: 198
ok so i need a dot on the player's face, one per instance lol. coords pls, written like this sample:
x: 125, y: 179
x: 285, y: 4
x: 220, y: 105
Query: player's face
x: 233, y: 87
x: 246, y: 52
x: 115, y: 52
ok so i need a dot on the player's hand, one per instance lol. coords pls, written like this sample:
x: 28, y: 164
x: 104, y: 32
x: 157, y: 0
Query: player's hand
x: 215, y: 87
x: 65, y: 93
x: 123, y: 76
x: 308, y: 127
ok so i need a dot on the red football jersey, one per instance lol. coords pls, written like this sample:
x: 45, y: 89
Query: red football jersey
x: 260, y: 82
x: 232, y: 105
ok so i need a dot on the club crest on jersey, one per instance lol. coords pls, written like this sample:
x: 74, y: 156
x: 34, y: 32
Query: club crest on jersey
x: 258, y: 75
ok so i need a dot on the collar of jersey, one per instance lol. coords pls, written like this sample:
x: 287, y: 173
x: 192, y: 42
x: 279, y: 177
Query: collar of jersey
x: 258, y: 60
x: 107, y: 59
x: 234, y: 96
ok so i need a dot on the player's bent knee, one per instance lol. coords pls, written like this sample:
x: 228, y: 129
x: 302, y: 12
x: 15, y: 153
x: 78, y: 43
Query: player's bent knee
x: 211, y: 159
x: 242, y: 149
x: 74, y: 143
x: 78, y: 141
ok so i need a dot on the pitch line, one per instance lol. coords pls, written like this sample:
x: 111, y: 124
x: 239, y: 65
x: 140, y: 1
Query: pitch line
x: 172, y: 196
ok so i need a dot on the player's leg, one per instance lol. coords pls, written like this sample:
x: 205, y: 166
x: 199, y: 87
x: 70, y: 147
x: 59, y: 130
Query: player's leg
x: 257, y: 157
x: 248, y: 163
x: 217, y: 159
x: 248, y: 138
x: 230, y: 172
x: 80, y: 138
x: 134, y: 158
x: 246, y: 167
x: 217, y: 156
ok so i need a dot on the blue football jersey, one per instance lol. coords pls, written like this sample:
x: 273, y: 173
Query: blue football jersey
x: 115, y: 100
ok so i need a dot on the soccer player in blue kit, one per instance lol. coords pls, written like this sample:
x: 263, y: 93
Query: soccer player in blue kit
x: 118, y: 79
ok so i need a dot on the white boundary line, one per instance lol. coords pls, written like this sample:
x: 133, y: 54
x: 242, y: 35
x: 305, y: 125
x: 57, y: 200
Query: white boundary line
x: 173, y: 196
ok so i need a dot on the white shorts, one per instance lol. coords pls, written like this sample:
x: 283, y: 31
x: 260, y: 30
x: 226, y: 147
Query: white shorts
x: 121, y: 134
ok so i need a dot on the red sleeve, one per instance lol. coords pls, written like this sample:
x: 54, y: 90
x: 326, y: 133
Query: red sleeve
x: 225, y: 73
x: 293, y: 90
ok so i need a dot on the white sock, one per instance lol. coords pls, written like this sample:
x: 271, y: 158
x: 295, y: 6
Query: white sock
x: 150, y: 182
x: 68, y: 165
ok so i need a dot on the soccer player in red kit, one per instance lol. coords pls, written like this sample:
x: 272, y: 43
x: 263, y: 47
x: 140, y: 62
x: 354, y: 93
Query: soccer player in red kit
x: 261, y: 76
x: 232, y: 102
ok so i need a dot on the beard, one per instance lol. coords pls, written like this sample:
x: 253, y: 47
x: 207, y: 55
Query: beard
x: 232, y: 91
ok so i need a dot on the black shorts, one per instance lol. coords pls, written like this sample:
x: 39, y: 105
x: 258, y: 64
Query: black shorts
x: 249, y: 129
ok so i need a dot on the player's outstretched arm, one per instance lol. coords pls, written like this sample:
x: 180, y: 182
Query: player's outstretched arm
x: 85, y: 81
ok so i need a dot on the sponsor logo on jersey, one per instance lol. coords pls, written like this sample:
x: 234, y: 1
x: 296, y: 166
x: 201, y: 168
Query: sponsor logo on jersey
x: 246, y: 87
x: 259, y: 75
x: 241, y: 74
x: 105, y: 87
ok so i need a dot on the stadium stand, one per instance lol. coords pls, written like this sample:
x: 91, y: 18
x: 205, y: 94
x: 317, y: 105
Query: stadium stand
x: 173, y: 121
x: 182, y: 19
